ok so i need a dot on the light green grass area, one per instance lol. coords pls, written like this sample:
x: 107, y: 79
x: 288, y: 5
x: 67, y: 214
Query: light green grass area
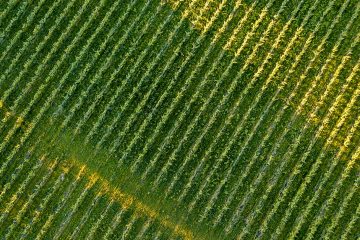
x: 217, y: 119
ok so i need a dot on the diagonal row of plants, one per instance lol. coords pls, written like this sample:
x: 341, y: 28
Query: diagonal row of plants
x: 48, y: 223
x: 72, y: 187
x: 214, y: 118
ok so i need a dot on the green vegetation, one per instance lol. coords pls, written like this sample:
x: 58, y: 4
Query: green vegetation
x: 217, y: 119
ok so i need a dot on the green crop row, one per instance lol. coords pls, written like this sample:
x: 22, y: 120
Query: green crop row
x: 241, y: 115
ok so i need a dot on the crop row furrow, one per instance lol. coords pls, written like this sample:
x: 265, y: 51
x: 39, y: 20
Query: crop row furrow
x: 96, y: 225
x: 119, y: 90
x: 105, y: 65
x: 324, y: 125
x: 13, y: 199
x: 6, y: 32
x: 89, y: 65
x: 297, y: 141
x: 74, y: 208
x: 144, y: 229
x: 221, y: 104
x: 53, y: 94
x: 29, y: 20
x: 59, y: 206
x: 239, y: 119
x: 31, y: 59
x: 9, y: 6
x: 329, y: 201
x: 220, y: 32
x: 135, y: 89
x: 235, y: 107
x: 146, y: 97
x: 185, y: 111
x: 353, y: 223
x: 128, y: 227
x: 33, y: 56
x: 259, y: 178
x: 237, y: 132
x: 89, y: 211
x: 333, y: 196
x: 29, y: 40
x: 335, y: 131
x: 145, y: 123
x: 44, y: 203
x: 340, y: 213
x: 38, y: 187
x: 115, y: 222
x: 41, y: 89
x: 15, y: 174
x: 252, y: 161
x: 265, y: 112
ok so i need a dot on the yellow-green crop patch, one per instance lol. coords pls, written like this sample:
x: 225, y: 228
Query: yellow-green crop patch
x: 192, y: 119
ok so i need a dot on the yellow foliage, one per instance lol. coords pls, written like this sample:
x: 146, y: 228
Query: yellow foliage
x: 52, y: 165
x: 19, y: 121
x: 92, y: 180
x: 127, y: 200
x: 199, y: 14
x: 65, y: 169
x: 7, y: 115
x: 81, y: 172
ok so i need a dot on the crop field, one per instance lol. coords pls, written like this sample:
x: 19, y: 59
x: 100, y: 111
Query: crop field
x: 179, y: 119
